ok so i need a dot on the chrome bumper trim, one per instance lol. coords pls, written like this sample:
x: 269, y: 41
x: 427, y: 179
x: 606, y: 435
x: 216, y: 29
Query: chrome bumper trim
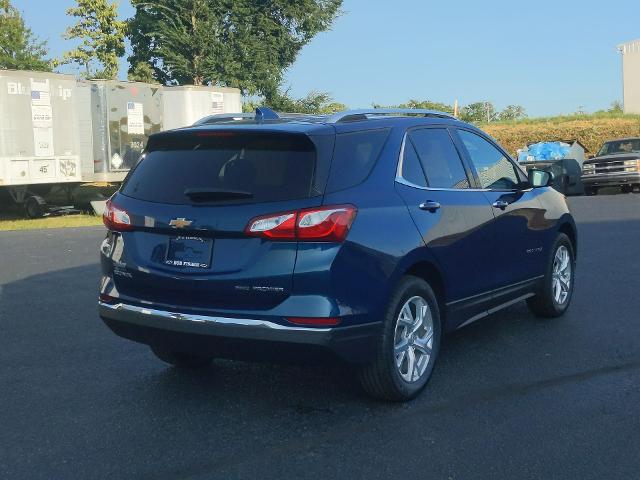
x: 122, y: 311
x: 609, y: 176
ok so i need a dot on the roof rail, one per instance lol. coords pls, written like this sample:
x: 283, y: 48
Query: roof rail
x: 264, y: 113
x: 363, y: 114
x: 261, y: 114
x: 224, y: 117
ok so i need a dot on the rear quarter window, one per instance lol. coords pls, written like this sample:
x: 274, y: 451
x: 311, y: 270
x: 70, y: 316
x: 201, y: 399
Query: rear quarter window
x: 354, y: 157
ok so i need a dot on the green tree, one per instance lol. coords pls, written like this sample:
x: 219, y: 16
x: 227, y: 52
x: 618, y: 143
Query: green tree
x: 19, y: 48
x: 479, y: 112
x: 313, y: 103
x: 512, y: 112
x: 141, y: 72
x: 420, y: 104
x: 428, y: 105
x: 102, y: 36
x: 616, y: 107
x: 237, y: 43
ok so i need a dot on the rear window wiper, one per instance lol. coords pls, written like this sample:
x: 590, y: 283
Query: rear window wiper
x: 213, y: 194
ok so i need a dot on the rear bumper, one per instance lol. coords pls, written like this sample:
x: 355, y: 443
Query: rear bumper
x: 611, y: 179
x: 241, y: 338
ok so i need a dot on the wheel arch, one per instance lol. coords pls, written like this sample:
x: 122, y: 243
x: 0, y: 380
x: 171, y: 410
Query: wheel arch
x: 422, y: 265
x: 430, y: 274
x: 569, y: 229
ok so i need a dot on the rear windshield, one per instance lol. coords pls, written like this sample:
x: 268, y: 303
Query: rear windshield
x: 262, y: 167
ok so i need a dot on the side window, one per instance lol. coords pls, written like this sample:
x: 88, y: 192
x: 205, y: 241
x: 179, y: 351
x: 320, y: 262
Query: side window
x: 411, y: 169
x: 354, y: 156
x: 439, y: 158
x: 495, y: 171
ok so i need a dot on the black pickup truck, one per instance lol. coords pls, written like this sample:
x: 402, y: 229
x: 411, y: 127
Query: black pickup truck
x: 617, y: 164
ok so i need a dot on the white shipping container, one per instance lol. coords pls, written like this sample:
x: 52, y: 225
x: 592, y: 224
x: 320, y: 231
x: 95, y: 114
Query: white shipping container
x: 184, y: 105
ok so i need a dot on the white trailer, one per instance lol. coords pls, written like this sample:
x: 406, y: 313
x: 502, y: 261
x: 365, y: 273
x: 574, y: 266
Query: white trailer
x: 39, y: 135
x: 56, y: 130
x: 184, y: 105
x: 116, y: 120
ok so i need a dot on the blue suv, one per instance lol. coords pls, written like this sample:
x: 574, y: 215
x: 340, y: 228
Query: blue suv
x: 362, y: 236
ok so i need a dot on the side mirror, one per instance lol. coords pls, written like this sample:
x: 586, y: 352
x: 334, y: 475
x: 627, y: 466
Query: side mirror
x: 540, y: 178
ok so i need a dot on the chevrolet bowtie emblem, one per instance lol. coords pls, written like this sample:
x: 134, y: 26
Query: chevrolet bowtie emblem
x: 180, y: 223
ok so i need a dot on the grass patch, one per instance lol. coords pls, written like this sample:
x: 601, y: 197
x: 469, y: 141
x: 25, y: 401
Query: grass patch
x: 12, y: 216
x: 50, y: 222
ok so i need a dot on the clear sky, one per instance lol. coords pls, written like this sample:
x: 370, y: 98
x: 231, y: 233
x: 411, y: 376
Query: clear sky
x: 549, y: 56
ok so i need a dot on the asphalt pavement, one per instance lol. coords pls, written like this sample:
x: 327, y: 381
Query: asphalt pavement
x: 512, y: 396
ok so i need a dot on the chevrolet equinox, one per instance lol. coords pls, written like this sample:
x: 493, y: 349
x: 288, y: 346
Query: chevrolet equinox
x: 363, y: 236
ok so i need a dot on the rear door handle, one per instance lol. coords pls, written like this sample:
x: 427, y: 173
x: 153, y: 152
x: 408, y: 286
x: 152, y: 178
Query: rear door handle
x: 501, y: 204
x: 430, y: 206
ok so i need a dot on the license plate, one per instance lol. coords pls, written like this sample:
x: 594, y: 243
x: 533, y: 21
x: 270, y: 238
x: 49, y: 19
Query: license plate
x: 190, y: 252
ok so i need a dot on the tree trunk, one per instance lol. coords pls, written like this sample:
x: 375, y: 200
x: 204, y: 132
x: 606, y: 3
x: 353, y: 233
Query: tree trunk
x: 197, y: 77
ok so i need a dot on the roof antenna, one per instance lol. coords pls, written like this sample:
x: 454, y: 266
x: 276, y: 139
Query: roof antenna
x: 265, y: 113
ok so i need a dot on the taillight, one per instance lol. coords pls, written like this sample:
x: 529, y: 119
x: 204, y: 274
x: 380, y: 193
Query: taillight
x: 281, y: 226
x: 215, y: 134
x: 115, y: 218
x: 322, y: 224
x: 326, y: 224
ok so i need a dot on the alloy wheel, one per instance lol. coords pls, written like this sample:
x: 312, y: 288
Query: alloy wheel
x: 561, y: 277
x: 413, y: 339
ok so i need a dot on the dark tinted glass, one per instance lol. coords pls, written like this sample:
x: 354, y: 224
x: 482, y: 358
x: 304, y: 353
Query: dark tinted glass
x: 354, y: 156
x: 271, y: 167
x: 494, y: 169
x: 440, y: 159
x: 620, y: 146
x: 411, y: 169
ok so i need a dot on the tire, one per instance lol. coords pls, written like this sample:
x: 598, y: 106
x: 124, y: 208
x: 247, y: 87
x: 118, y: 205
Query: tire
x: 590, y: 191
x: 33, y: 207
x: 547, y: 303
x: 181, y: 360
x: 626, y: 188
x: 388, y: 376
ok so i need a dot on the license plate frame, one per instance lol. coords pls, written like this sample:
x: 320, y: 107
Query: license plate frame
x: 186, y: 251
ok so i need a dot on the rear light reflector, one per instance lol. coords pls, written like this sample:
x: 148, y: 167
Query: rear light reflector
x: 115, y: 218
x: 315, y: 321
x: 322, y: 224
x: 104, y: 298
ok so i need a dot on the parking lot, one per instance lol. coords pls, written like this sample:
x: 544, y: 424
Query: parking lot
x: 511, y: 397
